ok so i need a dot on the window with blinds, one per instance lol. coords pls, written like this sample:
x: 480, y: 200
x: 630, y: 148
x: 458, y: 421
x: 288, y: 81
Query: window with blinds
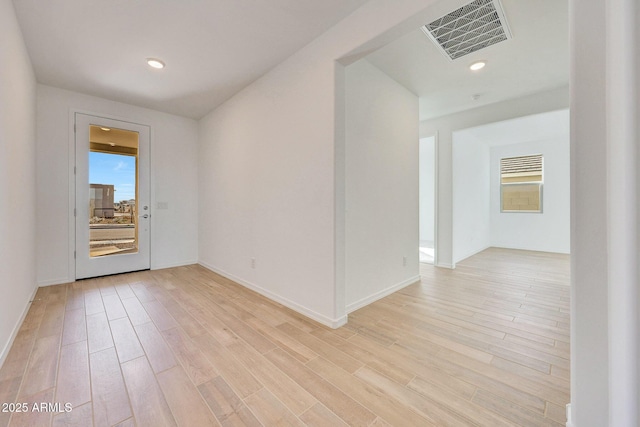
x: 521, y: 180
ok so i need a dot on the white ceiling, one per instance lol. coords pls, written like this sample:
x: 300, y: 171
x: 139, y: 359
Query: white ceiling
x: 536, y: 59
x: 212, y: 48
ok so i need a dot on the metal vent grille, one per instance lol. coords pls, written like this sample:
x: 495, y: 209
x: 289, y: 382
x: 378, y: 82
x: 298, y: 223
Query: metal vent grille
x: 475, y: 26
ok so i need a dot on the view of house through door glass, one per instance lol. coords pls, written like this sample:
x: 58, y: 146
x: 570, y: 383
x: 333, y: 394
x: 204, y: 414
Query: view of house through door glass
x: 112, y: 210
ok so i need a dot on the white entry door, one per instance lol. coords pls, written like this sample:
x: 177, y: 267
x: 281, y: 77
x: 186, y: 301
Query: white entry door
x: 112, y: 212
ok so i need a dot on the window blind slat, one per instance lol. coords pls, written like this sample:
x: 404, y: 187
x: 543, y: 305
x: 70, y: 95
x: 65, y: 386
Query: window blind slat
x: 522, y: 164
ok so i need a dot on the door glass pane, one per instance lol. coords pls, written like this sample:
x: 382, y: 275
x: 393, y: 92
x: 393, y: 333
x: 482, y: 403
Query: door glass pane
x: 113, y: 189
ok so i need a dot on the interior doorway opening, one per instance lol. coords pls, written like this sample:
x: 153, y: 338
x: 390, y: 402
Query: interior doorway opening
x: 427, y: 199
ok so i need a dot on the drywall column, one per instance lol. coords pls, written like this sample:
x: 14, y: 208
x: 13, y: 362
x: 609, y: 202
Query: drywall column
x: 339, y: 183
x: 471, y: 208
x: 622, y: 164
x: 637, y: 255
x: 604, y: 328
x: 589, y: 300
x: 604, y: 312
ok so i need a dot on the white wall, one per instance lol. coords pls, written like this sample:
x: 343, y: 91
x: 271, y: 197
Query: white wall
x: 604, y: 213
x: 623, y: 209
x: 548, y: 231
x: 589, y: 290
x: 381, y: 185
x: 471, y: 196
x: 173, y: 180
x: 427, y: 188
x: 17, y: 178
x: 477, y: 220
x: 445, y: 126
x: 266, y: 189
x: 270, y: 168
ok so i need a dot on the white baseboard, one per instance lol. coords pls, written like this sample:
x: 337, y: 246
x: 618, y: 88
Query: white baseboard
x: 320, y: 318
x: 471, y: 253
x: 529, y: 248
x: 173, y: 264
x: 445, y: 265
x: 381, y: 294
x: 569, y: 422
x: 16, y: 328
x: 63, y: 280
x: 54, y: 282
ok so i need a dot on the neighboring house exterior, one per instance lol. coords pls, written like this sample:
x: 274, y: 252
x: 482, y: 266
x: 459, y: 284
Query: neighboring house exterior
x: 101, y: 201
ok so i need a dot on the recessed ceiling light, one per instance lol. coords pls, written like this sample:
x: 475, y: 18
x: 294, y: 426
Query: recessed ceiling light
x: 112, y: 144
x: 105, y: 129
x: 478, y: 65
x: 155, y: 63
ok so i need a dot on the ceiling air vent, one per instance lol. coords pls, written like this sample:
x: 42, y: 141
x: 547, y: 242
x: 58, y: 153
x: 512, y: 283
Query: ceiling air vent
x: 475, y: 26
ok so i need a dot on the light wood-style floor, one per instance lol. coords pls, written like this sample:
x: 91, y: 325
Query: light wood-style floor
x: 486, y: 344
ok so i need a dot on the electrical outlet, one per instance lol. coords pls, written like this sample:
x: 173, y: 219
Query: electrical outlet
x: 253, y: 263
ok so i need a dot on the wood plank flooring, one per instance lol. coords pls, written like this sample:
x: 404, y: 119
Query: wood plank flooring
x: 486, y: 344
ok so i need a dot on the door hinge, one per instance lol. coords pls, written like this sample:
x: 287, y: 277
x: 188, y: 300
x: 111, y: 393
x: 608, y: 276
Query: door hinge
x: 74, y: 254
x: 74, y: 170
x: 75, y: 212
x: 74, y: 128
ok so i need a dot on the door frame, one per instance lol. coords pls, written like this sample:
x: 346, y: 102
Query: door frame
x: 71, y: 224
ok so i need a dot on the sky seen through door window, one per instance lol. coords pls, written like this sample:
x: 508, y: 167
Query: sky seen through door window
x: 114, y: 169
